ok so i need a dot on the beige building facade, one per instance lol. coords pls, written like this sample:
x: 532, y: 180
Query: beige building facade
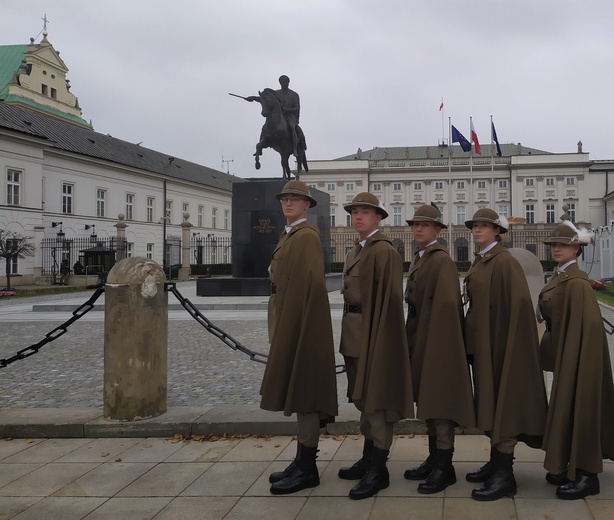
x: 532, y: 188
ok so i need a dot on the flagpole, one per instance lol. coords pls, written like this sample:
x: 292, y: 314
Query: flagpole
x: 441, y: 109
x: 492, y: 165
x: 450, y: 248
x: 471, y: 179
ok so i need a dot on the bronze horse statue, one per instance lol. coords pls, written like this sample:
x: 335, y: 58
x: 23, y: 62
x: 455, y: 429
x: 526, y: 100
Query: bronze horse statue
x: 276, y: 134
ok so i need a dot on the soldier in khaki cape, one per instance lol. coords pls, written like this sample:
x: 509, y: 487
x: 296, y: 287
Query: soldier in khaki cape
x: 501, y: 338
x: 300, y: 372
x: 374, y: 343
x: 440, y: 373
x: 580, y: 424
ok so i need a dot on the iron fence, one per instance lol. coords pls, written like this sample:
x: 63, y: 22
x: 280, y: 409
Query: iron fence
x: 210, y: 250
x: 82, y: 255
x: 461, y: 248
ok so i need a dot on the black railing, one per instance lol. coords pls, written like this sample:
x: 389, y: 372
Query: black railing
x: 460, y: 239
x: 82, y: 255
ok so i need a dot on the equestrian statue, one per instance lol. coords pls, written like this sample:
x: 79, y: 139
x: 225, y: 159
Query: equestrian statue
x: 281, y: 131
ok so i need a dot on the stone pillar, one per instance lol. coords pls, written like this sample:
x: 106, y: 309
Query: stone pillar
x: 121, y: 237
x: 135, y: 340
x: 184, y: 272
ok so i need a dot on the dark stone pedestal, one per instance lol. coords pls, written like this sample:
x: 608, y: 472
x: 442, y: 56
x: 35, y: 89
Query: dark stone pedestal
x: 257, y: 224
x: 233, y: 287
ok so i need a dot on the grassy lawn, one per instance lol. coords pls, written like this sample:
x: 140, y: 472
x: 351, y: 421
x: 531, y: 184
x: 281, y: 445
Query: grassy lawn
x: 605, y: 298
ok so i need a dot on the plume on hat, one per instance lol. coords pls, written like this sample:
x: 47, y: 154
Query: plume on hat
x: 503, y: 222
x: 585, y: 236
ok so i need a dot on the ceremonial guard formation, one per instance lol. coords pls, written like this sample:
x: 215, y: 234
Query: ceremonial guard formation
x: 300, y: 372
x: 465, y: 360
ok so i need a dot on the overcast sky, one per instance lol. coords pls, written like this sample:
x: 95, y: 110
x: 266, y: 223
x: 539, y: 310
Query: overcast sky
x: 369, y: 73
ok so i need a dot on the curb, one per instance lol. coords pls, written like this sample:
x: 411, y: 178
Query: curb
x: 215, y: 420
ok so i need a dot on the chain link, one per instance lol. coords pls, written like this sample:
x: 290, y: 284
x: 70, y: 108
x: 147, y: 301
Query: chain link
x: 216, y: 331
x: 609, y: 330
x: 219, y: 333
x: 55, y: 333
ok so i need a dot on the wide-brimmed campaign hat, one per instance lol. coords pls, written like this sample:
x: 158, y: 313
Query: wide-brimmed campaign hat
x: 427, y: 213
x: 568, y: 234
x: 488, y: 215
x: 366, y: 199
x: 297, y: 188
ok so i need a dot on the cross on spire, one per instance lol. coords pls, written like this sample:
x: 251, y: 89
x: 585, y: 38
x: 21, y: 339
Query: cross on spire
x: 45, y: 22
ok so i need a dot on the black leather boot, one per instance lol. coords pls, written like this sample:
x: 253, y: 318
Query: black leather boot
x: 485, y: 472
x: 376, y: 478
x: 586, y: 484
x: 303, y: 475
x: 557, y: 479
x: 359, y: 468
x: 276, y: 476
x: 502, y: 482
x: 424, y: 470
x: 442, y: 476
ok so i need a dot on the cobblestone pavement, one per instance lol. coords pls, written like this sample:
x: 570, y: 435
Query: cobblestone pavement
x: 68, y: 372
x: 203, y: 371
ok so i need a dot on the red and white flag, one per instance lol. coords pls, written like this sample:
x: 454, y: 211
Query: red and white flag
x: 441, y: 106
x: 475, y: 140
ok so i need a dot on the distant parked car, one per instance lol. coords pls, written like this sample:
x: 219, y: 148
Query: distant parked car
x: 598, y: 285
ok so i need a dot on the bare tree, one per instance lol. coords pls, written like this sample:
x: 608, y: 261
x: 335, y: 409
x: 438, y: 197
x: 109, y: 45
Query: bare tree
x: 13, y: 244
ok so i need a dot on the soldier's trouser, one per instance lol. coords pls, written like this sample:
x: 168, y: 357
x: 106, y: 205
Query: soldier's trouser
x: 373, y: 425
x: 308, y: 426
x: 443, y: 431
x: 505, y: 445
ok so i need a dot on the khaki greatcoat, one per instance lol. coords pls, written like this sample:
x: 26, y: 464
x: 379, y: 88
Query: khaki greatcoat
x: 580, y: 423
x: 300, y: 370
x: 373, y: 278
x: 501, y: 334
x: 440, y: 373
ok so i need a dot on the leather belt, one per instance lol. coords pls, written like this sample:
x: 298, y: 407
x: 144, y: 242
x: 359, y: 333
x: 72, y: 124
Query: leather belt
x: 352, y: 308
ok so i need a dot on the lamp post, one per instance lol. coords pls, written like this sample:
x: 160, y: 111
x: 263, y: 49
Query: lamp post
x: 93, y: 236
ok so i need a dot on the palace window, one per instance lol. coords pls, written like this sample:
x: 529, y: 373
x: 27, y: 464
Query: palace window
x: 13, y: 187
x: 150, y: 209
x: 67, y: 202
x: 101, y: 202
x: 550, y: 215
x: 397, y: 216
x: 529, y: 213
x: 129, y: 206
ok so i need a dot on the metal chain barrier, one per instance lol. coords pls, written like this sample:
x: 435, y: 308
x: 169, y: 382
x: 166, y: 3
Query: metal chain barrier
x: 609, y: 330
x: 258, y: 357
x: 55, y: 333
x: 216, y: 331
x: 219, y: 333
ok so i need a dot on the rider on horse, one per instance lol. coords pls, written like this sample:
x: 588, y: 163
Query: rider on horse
x: 290, y: 106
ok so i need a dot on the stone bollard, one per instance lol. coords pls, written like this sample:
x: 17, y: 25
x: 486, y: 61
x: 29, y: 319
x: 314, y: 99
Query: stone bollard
x: 135, y: 340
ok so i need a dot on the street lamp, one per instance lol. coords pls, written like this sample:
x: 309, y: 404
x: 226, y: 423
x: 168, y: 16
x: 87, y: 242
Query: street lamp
x: 60, y: 232
x: 93, y: 236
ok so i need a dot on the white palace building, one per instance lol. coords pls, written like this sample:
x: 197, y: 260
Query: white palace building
x: 68, y: 187
x: 532, y: 188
